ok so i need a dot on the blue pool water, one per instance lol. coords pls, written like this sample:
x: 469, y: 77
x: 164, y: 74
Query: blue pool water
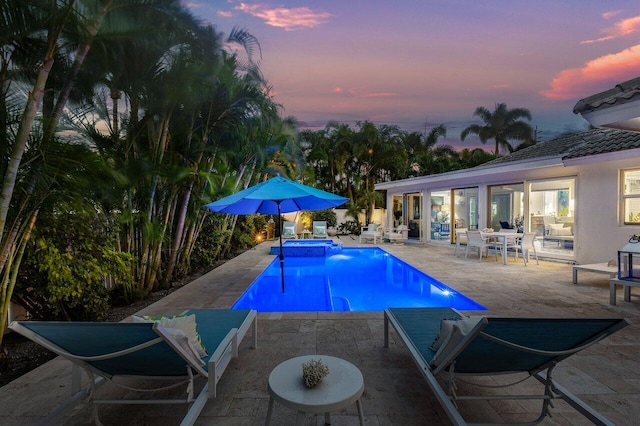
x: 346, y: 279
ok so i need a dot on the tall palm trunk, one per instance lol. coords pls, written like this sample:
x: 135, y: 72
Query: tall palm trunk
x: 9, y: 179
x: 82, y: 50
x: 9, y: 279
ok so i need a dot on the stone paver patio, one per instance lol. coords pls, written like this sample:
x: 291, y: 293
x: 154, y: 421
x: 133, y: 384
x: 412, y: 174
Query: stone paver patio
x: 606, y: 376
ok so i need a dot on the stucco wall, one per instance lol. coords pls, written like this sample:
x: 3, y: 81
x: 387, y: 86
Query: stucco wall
x: 599, y: 232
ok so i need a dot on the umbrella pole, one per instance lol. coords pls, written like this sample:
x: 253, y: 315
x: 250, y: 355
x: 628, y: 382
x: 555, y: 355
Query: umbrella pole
x: 281, y: 251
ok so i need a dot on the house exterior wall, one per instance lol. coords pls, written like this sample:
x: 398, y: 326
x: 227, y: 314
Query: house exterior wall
x: 598, y: 229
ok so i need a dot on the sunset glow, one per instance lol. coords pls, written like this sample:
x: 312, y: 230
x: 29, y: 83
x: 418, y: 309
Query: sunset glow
x: 420, y: 63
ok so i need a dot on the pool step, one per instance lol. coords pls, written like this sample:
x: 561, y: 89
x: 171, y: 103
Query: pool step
x: 341, y: 304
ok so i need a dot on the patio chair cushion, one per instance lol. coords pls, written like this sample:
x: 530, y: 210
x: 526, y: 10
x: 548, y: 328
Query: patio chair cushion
x: 452, y: 334
x: 185, y: 323
x: 319, y: 230
x: 289, y: 232
x: 559, y: 230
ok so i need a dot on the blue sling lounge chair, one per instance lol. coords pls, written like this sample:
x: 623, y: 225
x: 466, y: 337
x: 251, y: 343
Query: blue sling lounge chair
x: 107, y: 350
x: 496, y: 345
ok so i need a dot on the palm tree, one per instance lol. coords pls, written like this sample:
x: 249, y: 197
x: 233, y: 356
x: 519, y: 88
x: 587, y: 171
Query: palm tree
x: 501, y: 125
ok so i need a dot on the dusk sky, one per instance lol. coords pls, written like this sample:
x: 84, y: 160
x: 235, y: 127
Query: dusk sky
x: 419, y: 63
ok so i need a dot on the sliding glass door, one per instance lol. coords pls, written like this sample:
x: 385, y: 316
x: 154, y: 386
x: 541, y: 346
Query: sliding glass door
x: 552, y: 215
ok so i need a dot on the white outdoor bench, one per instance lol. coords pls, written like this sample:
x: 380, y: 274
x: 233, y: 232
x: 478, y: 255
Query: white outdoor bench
x: 626, y: 285
x: 599, y: 268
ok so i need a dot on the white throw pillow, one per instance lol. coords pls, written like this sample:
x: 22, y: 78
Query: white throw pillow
x: 289, y: 232
x: 319, y: 230
x: 182, y: 340
x: 446, y: 326
x: 457, y: 331
x: 185, y: 323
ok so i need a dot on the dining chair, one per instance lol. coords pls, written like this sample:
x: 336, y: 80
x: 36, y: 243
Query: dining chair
x: 475, y: 240
x: 510, y: 242
x: 527, y: 243
x: 461, y: 239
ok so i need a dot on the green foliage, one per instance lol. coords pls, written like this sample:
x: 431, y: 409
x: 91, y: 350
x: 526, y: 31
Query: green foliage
x: 502, y: 125
x: 328, y: 215
x: 307, y: 220
x: 65, y: 267
x: 207, y: 249
x: 349, y: 227
x: 250, y: 230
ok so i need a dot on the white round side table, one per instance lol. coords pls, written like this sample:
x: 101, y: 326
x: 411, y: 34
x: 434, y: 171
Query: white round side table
x: 343, y: 386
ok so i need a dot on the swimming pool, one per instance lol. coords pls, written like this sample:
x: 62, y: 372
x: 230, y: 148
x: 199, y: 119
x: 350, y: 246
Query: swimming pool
x: 346, y: 279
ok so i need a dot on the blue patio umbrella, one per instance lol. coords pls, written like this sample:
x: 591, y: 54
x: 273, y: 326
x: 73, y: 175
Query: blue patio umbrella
x: 276, y: 196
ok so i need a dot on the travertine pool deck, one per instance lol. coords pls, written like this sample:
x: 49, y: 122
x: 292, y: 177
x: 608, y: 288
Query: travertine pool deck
x: 606, y: 376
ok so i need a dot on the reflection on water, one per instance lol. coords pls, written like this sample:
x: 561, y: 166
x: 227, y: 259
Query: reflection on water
x: 358, y: 279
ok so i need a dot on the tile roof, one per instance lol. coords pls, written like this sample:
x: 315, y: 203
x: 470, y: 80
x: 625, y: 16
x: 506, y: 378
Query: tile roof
x: 622, y: 93
x: 592, y: 142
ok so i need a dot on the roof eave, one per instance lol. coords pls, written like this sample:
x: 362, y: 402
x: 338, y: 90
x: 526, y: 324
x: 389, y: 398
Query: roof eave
x: 479, y: 172
x: 624, y: 116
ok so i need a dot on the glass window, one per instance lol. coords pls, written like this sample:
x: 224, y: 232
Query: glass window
x: 631, y: 196
x: 507, y: 206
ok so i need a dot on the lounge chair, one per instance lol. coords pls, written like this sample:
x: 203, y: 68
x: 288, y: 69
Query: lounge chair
x: 319, y: 229
x: 289, y: 230
x: 108, y: 350
x: 400, y: 233
x: 371, y: 232
x: 496, y: 345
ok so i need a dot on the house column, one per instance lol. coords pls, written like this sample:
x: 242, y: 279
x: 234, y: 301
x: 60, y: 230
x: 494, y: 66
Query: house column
x: 484, y: 204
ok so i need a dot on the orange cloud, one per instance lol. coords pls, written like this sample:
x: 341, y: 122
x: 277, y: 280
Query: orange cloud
x: 281, y: 17
x: 577, y: 83
x: 619, y: 29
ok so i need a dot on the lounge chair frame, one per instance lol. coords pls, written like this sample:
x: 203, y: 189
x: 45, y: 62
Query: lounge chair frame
x: 99, y: 374
x: 422, y: 355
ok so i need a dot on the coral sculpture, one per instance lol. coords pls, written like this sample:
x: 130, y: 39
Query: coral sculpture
x: 313, y: 372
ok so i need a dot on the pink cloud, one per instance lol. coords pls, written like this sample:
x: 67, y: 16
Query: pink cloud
x: 224, y: 14
x: 611, y: 14
x: 360, y: 93
x: 379, y: 95
x: 576, y: 83
x: 501, y: 86
x: 619, y: 29
x: 281, y: 17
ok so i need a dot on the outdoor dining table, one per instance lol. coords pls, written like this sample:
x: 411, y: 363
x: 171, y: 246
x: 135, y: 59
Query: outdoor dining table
x: 502, y: 237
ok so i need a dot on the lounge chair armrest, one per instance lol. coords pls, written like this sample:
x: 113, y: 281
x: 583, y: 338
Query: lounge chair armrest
x: 219, y: 360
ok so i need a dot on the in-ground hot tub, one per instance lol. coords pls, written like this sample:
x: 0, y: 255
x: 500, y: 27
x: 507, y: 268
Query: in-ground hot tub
x: 308, y: 248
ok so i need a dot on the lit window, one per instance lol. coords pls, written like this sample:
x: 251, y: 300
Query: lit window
x: 631, y: 196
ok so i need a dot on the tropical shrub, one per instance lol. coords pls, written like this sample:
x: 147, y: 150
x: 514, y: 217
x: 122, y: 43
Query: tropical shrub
x: 328, y: 215
x: 65, y: 267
